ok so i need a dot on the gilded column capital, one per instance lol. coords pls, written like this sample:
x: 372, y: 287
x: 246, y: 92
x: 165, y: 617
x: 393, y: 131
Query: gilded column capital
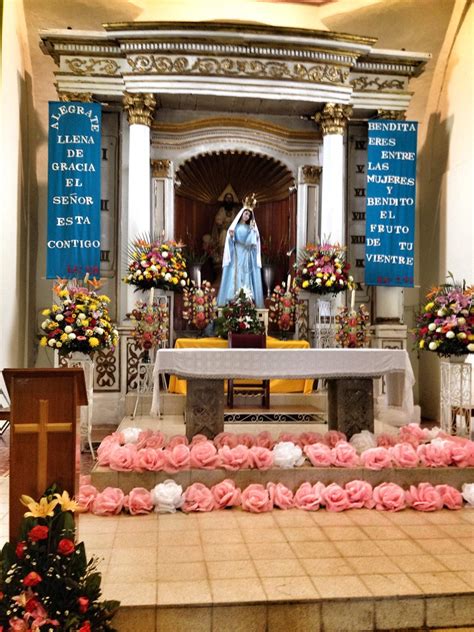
x: 393, y: 115
x: 86, y: 97
x: 139, y: 107
x: 160, y: 168
x: 311, y: 174
x: 333, y: 118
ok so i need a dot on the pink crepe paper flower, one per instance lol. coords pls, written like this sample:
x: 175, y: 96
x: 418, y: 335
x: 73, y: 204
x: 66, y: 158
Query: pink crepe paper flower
x: 150, y: 460
x: 150, y: 439
x: 123, y: 458
x: 177, y: 440
x: 335, y: 498
x: 264, y: 440
x: 226, y: 438
x: 310, y: 438
x: 332, y: 437
x: 411, y: 433
x: 234, y: 459
x: 85, y: 479
x: 319, y: 454
x: 245, y: 438
x: 261, y: 458
x: 86, y: 496
x: 280, y: 495
x: 226, y: 494
x: 385, y: 440
x: 309, y: 497
x: 256, y: 499
x: 198, y: 438
x: 177, y: 458
x: 204, y: 456
x: 344, y: 455
x: 424, y: 497
x: 360, y: 494
x: 138, y: 501
x: 376, y: 458
x: 389, y: 497
x: 198, y: 497
x: 107, y: 446
x: 289, y: 436
x: 461, y: 454
x: 108, y: 502
x: 451, y: 497
x: 404, y: 455
x: 434, y: 454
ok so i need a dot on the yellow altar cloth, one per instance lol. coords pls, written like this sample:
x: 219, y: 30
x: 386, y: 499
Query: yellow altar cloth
x: 276, y: 386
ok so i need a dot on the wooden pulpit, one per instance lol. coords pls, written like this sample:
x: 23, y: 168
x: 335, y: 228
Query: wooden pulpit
x: 44, y: 444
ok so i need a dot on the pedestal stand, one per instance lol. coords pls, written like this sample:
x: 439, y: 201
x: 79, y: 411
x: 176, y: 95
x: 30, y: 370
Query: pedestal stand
x: 456, y: 396
x: 83, y: 361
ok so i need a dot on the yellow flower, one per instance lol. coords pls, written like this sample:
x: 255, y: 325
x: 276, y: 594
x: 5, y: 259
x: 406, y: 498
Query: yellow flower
x: 43, y: 341
x: 175, y: 280
x: 93, y: 341
x: 429, y: 307
x: 67, y: 504
x: 64, y: 337
x: 422, y: 344
x: 56, y: 308
x: 63, y: 293
x: 46, y: 312
x: 305, y: 284
x: 38, y: 510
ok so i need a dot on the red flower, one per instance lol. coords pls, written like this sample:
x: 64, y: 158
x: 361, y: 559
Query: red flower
x: 32, y: 579
x: 31, y: 604
x: 85, y: 627
x: 66, y: 547
x: 83, y: 604
x: 20, y: 549
x: 38, y: 533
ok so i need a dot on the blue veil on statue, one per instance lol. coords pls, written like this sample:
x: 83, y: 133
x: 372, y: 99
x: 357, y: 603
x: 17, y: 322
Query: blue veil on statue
x: 242, y: 263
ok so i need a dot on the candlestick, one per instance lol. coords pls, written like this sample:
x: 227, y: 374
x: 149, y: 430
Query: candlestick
x: 353, y: 294
x: 288, y: 282
x: 152, y: 292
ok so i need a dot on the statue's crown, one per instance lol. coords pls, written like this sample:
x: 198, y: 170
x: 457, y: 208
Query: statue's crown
x: 250, y: 201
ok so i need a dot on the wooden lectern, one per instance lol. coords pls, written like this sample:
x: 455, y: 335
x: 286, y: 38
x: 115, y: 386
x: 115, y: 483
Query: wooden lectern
x: 44, y: 444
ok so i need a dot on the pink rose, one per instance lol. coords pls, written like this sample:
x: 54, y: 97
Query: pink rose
x: 332, y: 437
x: 107, y: 446
x: 122, y: 459
x: 319, y: 454
x: 434, y: 454
x: 234, y: 459
x: 204, y: 456
x: 310, y: 438
x: 309, y: 497
x: 404, y: 455
x: 289, y: 436
x: 85, y: 479
x: 226, y: 494
x: 226, y: 438
x: 255, y: 498
x: 260, y: 458
x: 264, y: 440
x: 198, y: 438
x: 335, y: 498
x: 376, y: 458
x: 359, y: 494
x: 385, y: 440
x: 424, y: 497
x: 155, y: 440
x: 177, y: 440
x: 109, y: 502
x: 344, y: 455
x: 150, y: 460
x: 451, y: 497
x: 198, y: 497
x: 177, y: 458
x: 142, y: 438
x: 461, y: 454
x: 86, y: 496
x: 246, y: 439
x: 138, y: 501
x: 412, y: 433
x: 280, y: 495
x: 389, y: 497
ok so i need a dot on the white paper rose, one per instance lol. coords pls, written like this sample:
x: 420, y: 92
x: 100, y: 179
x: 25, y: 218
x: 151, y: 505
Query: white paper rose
x: 286, y: 455
x: 130, y: 435
x: 467, y: 492
x: 430, y: 435
x: 167, y: 497
x: 362, y: 441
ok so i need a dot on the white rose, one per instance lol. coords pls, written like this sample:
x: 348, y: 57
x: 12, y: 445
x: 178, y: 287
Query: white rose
x: 59, y: 317
x: 440, y: 312
x: 68, y: 329
x: 461, y: 321
x: 470, y: 347
x: 167, y: 496
x: 164, y: 254
x: 99, y: 330
x: 431, y: 326
x: 468, y: 493
x: 183, y: 282
x: 51, y: 342
x: 72, y: 336
x: 44, y: 324
x: 130, y: 435
x: 286, y: 455
x: 167, y: 276
x: 185, y: 275
x: 59, y: 344
x: 450, y: 334
x: 432, y: 346
x: 81, y: 317
x: 362, y: 441
x: 305, y: 270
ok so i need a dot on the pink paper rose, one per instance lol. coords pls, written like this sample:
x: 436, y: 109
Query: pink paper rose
x: 309, y: 497
x: 255, y: 498
x: 292, y: 437
x: 198, y: 438
x: 122, y: 459
x: 109, y: 502
x: 424, y: 497
x: 335, y: 498
x: 138, y: 501
x: 319, y: 454
x: 234, y: 459
x: 280, y: 495
x: 155, y: 440
x: 434, y: 454
x: 226, y: 438
x: 150, y: 460
x: 204, y: 456
x: 404, y: 455
x: 310, y: 438
x: 247, y: 439
x: 107, y: 446
x: 264, y: 440
x: 376, y: 458
x: 461, y: 454
x: 177, y: 440
x: 226, y: 494
x: 86, y: 496
x: 385, y: 440
x: 389, y: 497
x: 261, y: 458
x: 359, y: 494
x: 85, y: 479
x: 333, y: 437
x: 198, y: 497
x: 411, y: 433
x: 177, y: 458
x: 344, y: 455
x: 451, y: 497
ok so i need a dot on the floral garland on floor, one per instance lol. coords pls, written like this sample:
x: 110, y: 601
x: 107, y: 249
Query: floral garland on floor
x: 144, y: 450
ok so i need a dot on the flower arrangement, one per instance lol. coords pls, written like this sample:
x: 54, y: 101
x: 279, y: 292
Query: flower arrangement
x: 445, y: 323
x: 352, y: 327
x: 199, y: 305
x: 323, y: 269
x: 239, y: 316
x: 80, y: 321
x: 46, y: 582
x: 156, y: 263
x: 150, y: 323
x: 282, y: 306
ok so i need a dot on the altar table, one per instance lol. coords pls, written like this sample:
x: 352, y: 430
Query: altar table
x: 276, y: 386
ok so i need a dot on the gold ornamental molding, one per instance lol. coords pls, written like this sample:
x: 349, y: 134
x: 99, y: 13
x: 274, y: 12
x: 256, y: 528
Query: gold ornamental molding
x: 333, y: 118
x: 139, y: 107
x: 311, y: 174
x: 86, y: 97
x: 376, y: 84
x: 93, y: 66
x: 391, y: 115
x: 160, y: 168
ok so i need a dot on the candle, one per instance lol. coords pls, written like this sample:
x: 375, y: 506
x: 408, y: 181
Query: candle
x: 288, y: 282
x: 152, y: 292
x: 353, y: 296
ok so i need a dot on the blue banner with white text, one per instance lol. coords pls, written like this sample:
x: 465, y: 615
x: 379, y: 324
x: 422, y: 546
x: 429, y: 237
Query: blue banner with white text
x: 74, y: 139
x: 390, y: 203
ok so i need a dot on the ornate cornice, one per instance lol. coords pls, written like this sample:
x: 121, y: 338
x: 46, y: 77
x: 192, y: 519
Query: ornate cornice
x: 373, y: 83
x: 75, y: 96
x: 92, y: 66
x: 160, y: 168
x: 391, y: 115
x: 311, y: 174
x: 139, y: 107
x: 333, y: 118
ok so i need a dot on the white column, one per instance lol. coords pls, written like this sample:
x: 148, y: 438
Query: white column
x: 308, y: 205
x: 162, y: 193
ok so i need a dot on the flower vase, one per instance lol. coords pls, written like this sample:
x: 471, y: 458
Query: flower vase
x: 456, y: 395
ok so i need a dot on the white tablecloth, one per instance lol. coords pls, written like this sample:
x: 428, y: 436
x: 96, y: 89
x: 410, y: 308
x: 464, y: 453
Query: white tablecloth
x: 287, y: 364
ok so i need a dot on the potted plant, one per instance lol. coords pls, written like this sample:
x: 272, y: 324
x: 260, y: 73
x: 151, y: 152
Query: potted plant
x: 239, y: 316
